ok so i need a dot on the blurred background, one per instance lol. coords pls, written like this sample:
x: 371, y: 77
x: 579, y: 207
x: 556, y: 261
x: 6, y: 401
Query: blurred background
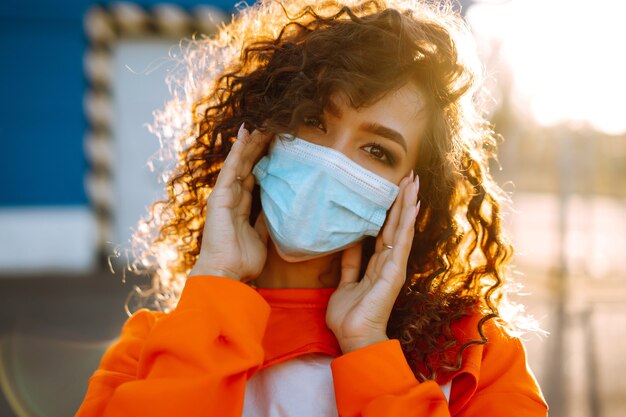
x: 79, y: 82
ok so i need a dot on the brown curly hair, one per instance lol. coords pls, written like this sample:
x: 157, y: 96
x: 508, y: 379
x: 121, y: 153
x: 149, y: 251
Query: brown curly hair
x: 277, y: 63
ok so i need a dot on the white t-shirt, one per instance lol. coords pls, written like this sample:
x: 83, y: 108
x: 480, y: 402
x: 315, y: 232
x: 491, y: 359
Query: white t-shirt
x: 299, y: 387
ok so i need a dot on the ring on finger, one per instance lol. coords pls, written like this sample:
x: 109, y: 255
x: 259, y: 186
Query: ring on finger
x: 387, y: 246
x: 239, y: 178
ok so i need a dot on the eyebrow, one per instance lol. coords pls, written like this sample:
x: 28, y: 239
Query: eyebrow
x: 372, y: 127
x: 385, y: 132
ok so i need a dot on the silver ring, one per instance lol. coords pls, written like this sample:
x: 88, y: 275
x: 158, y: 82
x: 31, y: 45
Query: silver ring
x: 239, y: 178
x: 387, y: 246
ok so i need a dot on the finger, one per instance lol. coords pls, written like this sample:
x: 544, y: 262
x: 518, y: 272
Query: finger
x: 230, y: 171
x: 392, y: 219
x: 261, y: 228
x: 351, y: 264
x: 391, y: 223
x: 404, y: 235
x: 245, y: 202
x: 256, y: 142
x: 255, y: 147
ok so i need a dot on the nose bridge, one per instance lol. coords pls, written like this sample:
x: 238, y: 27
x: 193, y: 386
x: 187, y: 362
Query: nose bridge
x: 341, y: 142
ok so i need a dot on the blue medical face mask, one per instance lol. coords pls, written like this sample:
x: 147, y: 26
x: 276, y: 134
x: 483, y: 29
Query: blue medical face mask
x: 316, y: 200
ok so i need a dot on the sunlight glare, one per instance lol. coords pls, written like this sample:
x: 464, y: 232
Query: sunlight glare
x: 565, y: 56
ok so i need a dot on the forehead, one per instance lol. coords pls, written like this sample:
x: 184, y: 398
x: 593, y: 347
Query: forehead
x: 410, y: 96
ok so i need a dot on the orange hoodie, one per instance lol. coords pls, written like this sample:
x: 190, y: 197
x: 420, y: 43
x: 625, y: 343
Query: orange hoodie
x: 196, y: 360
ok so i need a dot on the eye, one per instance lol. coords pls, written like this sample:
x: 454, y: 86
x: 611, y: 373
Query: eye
x: 379, y: 153
x: 315, y: 122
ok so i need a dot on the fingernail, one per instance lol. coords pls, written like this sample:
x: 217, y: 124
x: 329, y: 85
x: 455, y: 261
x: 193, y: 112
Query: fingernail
x: 411, y: 177
x: 417, y: 207
x: 241, y: 129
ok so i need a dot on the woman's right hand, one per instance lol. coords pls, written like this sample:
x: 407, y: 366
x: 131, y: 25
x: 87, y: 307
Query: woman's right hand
x: 230, y: 246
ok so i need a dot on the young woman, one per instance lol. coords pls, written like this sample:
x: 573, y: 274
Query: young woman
x: 331, y: 243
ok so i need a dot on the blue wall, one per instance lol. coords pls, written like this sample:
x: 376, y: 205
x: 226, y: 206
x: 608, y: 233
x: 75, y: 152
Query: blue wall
x: 42, y: 124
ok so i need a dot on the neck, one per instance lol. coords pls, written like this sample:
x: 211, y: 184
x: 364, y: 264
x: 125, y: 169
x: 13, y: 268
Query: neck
x: 322, y: 272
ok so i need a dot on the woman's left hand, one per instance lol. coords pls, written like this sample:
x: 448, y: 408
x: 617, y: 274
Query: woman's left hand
x: 358, y: 311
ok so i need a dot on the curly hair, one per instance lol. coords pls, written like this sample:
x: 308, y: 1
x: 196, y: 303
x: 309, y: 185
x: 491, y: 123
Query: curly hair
x: 277, y: 63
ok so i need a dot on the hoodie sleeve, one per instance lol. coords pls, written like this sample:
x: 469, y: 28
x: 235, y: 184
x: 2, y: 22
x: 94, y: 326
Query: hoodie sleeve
x: 376, y: 381
x: 504, y: 384
x: 194, y: 361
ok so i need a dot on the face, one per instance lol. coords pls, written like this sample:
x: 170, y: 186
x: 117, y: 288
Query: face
x: 383, y: 138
